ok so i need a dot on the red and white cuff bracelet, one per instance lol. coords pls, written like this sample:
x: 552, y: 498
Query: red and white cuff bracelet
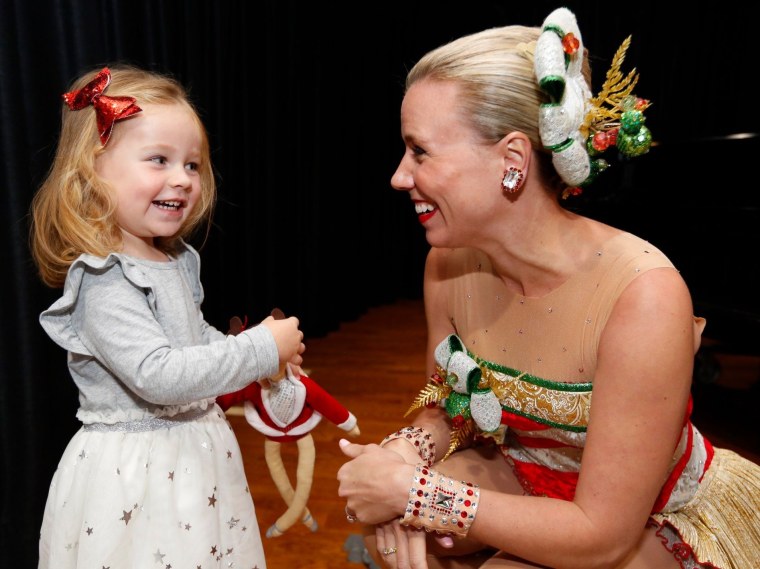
x: 441, y: 504
x: 421, y: 439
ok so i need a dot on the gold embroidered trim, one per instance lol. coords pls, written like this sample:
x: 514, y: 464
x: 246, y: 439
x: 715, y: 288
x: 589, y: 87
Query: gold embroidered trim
x: 554, y: 407
x: 565, y: 408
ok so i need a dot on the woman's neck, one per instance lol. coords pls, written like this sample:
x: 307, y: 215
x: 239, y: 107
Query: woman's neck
x: 544, y: 249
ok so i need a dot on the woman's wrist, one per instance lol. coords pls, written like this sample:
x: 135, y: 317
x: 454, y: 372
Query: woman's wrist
x: 400, y: 485
x: 404, y: 449
x: 439, y: 503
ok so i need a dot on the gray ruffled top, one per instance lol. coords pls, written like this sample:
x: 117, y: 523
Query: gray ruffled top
x: 138, y: 345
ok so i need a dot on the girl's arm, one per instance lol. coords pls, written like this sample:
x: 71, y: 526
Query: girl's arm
x: 116, y: 325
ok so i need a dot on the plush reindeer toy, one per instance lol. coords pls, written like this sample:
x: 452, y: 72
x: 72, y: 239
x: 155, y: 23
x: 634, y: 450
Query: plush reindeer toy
x: 286, y: 409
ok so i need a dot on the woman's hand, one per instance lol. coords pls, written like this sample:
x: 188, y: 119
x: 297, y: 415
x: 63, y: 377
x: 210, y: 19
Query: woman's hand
x: 401, y: 546
x: 375, y: 482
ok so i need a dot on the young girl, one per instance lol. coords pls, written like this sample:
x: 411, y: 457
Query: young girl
x: 154, y: 476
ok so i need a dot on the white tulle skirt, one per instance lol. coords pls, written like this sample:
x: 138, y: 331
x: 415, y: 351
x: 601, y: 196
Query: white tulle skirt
x: 165, y: 497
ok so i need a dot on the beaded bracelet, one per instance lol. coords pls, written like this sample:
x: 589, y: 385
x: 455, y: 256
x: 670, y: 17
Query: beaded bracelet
x: 441, y: 504
x: 421, y: 439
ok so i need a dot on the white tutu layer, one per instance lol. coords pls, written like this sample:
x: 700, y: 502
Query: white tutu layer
x: 168, y: 497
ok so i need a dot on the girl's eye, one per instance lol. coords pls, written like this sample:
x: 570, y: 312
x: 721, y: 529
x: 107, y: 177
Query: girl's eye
x: 158, y: 159
x: 192, y: 166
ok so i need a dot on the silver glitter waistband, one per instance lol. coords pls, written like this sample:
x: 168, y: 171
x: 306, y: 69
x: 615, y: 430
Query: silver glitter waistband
x: 151, y: 424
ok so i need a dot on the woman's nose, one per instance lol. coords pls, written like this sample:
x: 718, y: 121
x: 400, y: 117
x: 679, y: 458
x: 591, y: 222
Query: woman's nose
x: 402, y: 178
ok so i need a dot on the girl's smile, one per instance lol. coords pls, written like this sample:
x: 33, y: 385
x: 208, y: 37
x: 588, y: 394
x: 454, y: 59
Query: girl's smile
x: 151, y: 163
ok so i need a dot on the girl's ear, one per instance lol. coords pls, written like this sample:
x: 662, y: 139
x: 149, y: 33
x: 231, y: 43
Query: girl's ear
x: 516, y: 150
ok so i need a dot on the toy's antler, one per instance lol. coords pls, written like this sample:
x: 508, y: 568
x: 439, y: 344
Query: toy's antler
x: 237, y: 325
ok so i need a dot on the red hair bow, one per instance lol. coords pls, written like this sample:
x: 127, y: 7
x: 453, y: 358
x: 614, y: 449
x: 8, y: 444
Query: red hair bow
x: 108, y: 110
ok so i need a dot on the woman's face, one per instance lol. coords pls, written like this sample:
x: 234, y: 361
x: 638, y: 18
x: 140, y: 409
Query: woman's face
x: 451, y: 174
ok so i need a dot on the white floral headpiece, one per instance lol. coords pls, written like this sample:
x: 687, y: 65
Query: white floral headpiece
x: 574, y: 126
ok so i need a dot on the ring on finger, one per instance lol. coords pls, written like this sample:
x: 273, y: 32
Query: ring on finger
x: 389, y: 550
x: 350, y: 518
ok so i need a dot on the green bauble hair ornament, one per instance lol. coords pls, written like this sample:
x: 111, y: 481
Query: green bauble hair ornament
x: 598, y: 166
x: 593, y: 149
x: 631, y: 121
x: 633, y: 145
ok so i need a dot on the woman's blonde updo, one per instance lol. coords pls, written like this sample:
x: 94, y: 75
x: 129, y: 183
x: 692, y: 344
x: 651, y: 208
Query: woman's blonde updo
x: 499, y: 91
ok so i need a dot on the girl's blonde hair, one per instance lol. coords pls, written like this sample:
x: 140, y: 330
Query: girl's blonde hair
x: 74, y: 211
x: 498, y: 86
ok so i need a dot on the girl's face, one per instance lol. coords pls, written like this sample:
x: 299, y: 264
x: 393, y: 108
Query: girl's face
x: 151, y: 162
x: 452, y: 176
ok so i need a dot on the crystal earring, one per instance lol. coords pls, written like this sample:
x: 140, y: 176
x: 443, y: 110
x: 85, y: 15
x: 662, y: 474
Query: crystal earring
x: 512, y: 180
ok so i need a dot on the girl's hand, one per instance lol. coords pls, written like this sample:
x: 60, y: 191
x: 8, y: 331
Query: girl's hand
x: 288, y: 337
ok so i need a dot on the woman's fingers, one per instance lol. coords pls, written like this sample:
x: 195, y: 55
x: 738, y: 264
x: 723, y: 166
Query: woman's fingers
x: 401, y: 546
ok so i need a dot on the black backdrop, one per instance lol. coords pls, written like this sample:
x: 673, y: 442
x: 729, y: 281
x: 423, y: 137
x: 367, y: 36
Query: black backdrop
x: 301, y: 103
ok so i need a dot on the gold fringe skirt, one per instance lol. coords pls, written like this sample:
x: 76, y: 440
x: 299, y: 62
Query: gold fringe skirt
x: 721, y: 524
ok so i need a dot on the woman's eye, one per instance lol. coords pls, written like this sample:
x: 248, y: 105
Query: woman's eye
x: 417, y: 151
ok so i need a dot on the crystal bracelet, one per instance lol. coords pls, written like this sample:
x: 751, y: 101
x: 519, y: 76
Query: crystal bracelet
x: 441, y: 504
x: 421, y: 439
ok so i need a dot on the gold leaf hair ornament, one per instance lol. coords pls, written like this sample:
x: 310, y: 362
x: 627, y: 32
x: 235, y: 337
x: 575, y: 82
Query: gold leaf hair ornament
x: 616, y: 117
x: 577, y: 128
x: 458, y: 387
